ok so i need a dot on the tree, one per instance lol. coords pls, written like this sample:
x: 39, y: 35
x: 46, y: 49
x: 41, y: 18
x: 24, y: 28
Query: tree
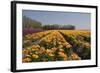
x: 30, y: 23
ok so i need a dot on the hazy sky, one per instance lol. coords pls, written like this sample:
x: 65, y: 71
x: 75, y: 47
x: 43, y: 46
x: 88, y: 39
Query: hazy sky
x: 79, y: 20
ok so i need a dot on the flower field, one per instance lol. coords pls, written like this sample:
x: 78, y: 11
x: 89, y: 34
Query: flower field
x: 57, y: 45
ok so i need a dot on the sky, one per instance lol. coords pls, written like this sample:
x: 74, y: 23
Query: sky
x: 79, y: 20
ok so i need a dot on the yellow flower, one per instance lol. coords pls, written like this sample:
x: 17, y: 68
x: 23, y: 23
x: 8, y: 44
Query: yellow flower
x: 50, y: 54
x: 42, y: 50
x: 86, y: 45
x: 45, y: 59
x: 25, y: 51
x: 28, y: 55
x: 36, y: 52
x: 59, y: 43
x: 49, y: 51
x: 54, y: 49
x: 75, y: 56
x: 35, y: 47
x: 29, y: 37
x: 65, y: 58
x: 62, y: 54
x: 68, y: 46
x: 61, y: 50
x: 48, y: 41
x: 26, y: 60
x: 35, y: 56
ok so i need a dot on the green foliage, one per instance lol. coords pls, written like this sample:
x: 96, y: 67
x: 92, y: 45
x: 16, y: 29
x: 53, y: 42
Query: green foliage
x: 29, y: 23
x: 67, y: 51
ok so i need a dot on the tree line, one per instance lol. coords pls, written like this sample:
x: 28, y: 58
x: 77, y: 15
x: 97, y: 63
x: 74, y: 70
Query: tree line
x: 30, y: 23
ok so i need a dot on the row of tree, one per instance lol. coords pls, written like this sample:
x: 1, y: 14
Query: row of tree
x: 57, y: 26
x: 30, y: 23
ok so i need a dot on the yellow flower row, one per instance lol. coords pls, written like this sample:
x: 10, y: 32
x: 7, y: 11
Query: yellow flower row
x: 56, y: 38
x: 58, y: 44
x: 76, y: 32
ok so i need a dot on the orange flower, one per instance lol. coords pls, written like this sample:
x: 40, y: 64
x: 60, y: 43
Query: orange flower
x: 62, y: 54
x: 75, y: 56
